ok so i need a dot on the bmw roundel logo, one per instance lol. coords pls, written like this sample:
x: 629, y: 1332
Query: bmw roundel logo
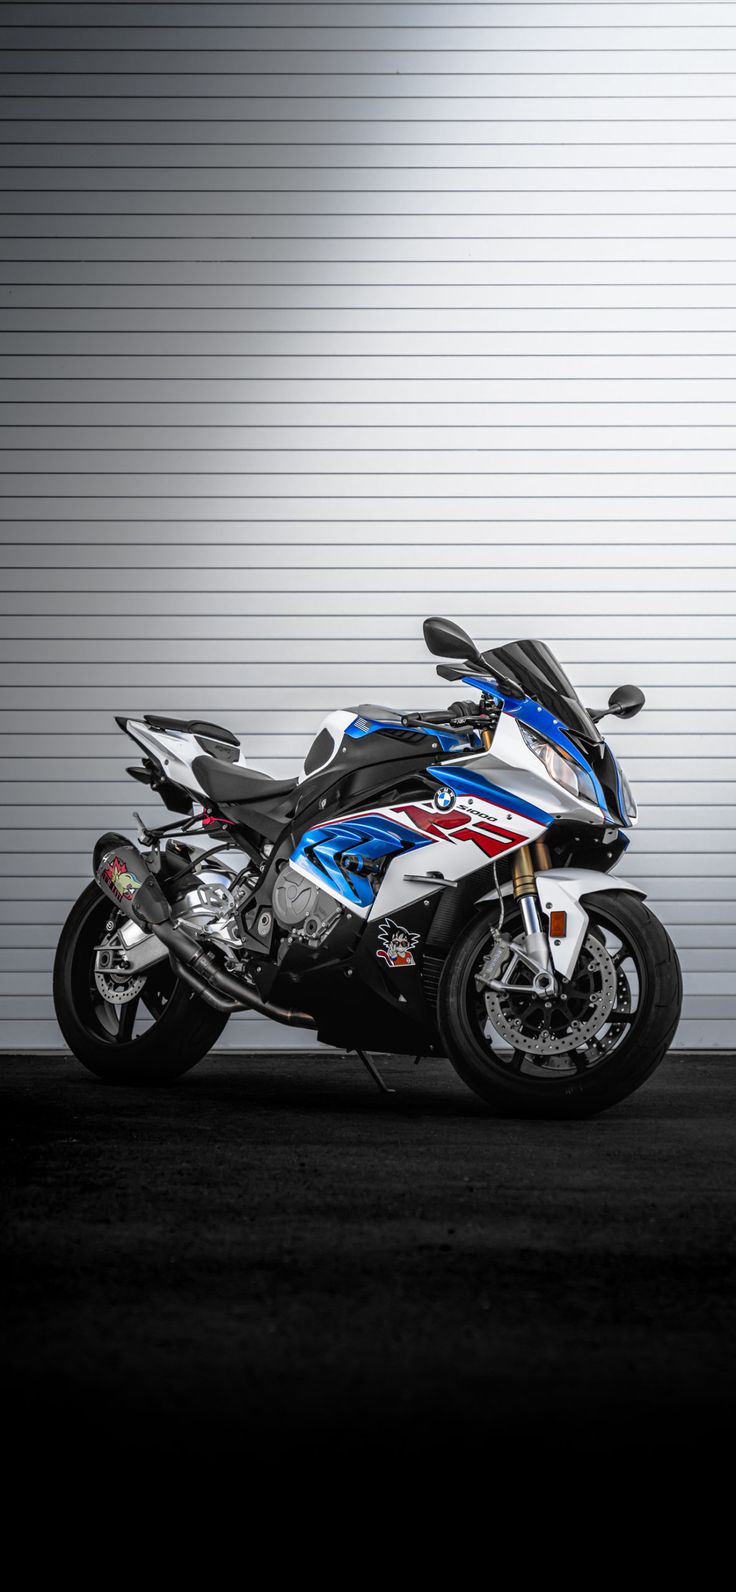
x: 444, y: 799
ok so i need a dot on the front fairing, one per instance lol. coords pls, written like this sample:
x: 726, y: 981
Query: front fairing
x: 510, y: 765
x: 554, y: 711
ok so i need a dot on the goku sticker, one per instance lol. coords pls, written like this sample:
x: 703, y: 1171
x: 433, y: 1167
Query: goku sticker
x: 396, y: 944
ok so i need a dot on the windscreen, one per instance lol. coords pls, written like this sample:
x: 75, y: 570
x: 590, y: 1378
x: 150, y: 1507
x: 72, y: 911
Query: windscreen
x: 536, y: 670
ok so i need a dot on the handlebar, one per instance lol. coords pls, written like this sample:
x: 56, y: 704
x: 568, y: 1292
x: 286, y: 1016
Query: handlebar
x: 452, y: 720
x: 426, y: 718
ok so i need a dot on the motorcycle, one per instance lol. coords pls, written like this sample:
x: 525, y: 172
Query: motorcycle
x: 431, y: 883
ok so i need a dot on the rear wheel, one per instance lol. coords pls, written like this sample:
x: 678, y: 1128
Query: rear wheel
x: 147, y: 1029
x: 579, y: 1050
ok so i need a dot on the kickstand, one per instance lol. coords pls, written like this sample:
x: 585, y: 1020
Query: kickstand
x: 375, y: 1074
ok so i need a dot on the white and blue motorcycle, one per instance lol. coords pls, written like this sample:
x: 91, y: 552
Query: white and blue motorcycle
x: 431, y: 883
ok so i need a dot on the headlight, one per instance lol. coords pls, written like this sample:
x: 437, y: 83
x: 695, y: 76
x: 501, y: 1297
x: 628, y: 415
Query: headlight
x: 560, y: 766
x: 630, y: 808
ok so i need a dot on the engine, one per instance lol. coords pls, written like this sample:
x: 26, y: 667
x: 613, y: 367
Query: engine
x: 307, y: 912
x: 211, y: 893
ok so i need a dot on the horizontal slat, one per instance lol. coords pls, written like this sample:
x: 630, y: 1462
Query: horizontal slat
x: 32, y: 986
x: 338, y: 193
x: 360, y: 104
x: 485, y: 146
x: 718, y: 581
x: 310, y: 687
x: 706, y: 915
x: 296, y: 544
x: 703, y: 970
x: 397, y: 665
x: 551, y: 390
x: 191, y: 627
x: 308, y: 14
x: 338, y: 304
x: 494, y: 135
x: 392, y: 76
x: 493, y: 29
x: 175, y: 279
x: 207, y: 422
x: 704, y: 947
x: 522, y: 240
x: 244, y: 1033
x: 694, y: 609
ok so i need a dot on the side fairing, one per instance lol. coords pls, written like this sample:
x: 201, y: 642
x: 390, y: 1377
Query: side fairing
x: 459, y: 830
x: 469, y: 823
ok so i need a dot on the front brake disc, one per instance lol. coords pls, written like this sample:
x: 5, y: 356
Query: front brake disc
x: 560, y: 1030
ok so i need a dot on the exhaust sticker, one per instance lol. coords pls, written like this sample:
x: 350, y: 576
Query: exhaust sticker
x: 120, y: 880
x: 396, y: 944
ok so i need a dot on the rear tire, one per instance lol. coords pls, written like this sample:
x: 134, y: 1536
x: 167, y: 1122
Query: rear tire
x: 633, y: 1058
x: 185, y: 1029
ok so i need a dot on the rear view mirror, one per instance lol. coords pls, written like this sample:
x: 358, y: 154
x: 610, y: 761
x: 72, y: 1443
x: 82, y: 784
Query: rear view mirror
x: 447, y: 640
x: 626, y: 701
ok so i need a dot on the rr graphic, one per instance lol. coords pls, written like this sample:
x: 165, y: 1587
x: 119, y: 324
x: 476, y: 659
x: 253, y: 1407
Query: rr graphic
x: 491, y: 839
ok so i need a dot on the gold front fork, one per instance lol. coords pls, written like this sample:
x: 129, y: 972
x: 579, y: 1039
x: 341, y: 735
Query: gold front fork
x: 525, y: 891
x: 523, y: 867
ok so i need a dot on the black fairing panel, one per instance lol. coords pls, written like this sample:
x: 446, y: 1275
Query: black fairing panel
x: 321, y: 749
x: 364, y: 766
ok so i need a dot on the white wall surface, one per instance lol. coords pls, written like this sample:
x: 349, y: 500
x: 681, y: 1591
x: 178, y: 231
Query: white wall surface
x: 317, y: 319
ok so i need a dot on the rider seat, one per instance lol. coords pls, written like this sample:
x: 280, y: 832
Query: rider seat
x: 225, y: 784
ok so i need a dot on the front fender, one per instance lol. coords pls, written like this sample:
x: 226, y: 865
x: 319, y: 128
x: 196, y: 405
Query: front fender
x: 564, y: 890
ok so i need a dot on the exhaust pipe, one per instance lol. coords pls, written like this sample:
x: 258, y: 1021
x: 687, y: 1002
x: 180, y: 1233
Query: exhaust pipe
x: 123, y: 875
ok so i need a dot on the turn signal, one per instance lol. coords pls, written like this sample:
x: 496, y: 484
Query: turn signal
x: 558, y: 925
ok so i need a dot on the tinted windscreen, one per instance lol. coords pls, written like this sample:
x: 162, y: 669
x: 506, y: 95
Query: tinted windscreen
x: 536, y: 670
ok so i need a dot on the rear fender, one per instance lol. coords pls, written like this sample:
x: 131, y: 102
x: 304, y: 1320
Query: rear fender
x: 566, y: 890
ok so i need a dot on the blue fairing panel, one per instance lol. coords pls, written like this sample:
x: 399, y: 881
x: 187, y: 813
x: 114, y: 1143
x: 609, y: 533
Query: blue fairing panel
x: 345, y: 852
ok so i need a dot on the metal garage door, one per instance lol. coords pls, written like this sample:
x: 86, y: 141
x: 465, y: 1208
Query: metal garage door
x: 319, y: 318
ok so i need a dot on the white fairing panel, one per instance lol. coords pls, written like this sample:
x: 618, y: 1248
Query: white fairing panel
x: 474, y: 833
x: 560, y: 890
x: 511, y: 764
x: 176, y: 751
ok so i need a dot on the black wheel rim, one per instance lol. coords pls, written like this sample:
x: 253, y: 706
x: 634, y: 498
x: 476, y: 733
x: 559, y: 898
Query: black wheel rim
x: 571, y: 1058
x: 108, y: 1024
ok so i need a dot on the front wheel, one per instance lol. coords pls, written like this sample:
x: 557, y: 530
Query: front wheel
x: 143, y: 1030
x: 579, y: 1050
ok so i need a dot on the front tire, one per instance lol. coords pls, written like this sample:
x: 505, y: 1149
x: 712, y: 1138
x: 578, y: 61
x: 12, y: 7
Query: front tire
x: 181, y: 1027
x: 578, y: 1082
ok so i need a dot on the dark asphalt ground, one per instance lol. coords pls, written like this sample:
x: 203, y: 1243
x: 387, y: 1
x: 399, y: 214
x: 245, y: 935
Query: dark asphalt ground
x: 273, y: 1254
